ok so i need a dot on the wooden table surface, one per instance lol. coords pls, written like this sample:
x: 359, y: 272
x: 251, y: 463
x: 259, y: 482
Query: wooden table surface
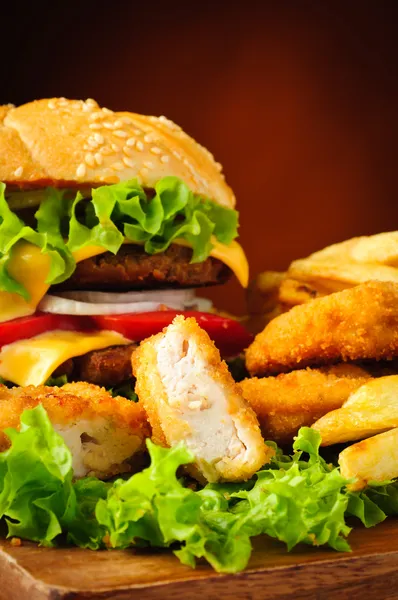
x: 370, y: 571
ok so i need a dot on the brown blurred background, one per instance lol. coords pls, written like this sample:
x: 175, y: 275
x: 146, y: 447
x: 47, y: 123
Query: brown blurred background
x: 297, y: 99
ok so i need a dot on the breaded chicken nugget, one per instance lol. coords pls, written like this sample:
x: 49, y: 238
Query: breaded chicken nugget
x: 189, y: 395
x: 102, y: 432
x: 289, y: 401
x: 355, y: 324
x: 374, y: 459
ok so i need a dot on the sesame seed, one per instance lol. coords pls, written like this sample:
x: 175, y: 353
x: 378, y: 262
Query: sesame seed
x: 51, y: 104
x: 219, y: 166
x: 106, y: 150
x: 117, y: 166
x: 86, y: 107
x: 120, y: 133
x: 92, y: 142
x: 118, y: 124
x: 148, y: 164
x: 91, y: 102
x: 98, y: 158
x: 137, y: 131
x: 109, y: 125
x: 81, y: 170
x: 139, y: 146
x: 98, y: 138
x: 148, y: 137
x: 115, y: 147
x: 89, y: 158
x: 18, y: 172
x: 130, y: 142
x: 128, y: 151
x: 168, y: 123
x: 155, y: 150
x: 165, y: 158
x: 95, y: 125
x: 126, y: 120
x: 62, y: 102
x: 95, y: 116
x: 107, y: 111
x: 128, y: 162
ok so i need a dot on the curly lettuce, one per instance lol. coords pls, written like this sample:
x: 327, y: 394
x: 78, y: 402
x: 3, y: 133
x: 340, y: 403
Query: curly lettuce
x: 113, y: 214
x: 295, y: 499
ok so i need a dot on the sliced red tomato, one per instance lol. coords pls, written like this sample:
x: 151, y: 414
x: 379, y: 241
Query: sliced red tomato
x: 229, y: 335
x: 27, y: 327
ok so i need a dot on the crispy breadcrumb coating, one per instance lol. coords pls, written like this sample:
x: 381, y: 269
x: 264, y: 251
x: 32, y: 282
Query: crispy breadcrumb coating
x: 289, y: 401
x: 102, y: 432
x: 189, y: 395
x: 356, y: 324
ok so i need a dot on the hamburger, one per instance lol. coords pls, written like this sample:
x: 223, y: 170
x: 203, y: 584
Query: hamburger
x: 109, y: 222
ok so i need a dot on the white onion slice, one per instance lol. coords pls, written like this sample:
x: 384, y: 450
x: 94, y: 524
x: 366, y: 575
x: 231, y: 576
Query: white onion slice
x: 64, y: 306
x: 110, y: 305
x: 177, y: 297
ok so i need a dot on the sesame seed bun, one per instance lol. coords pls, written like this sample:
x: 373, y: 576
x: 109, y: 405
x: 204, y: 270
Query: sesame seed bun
x: 75, y: 143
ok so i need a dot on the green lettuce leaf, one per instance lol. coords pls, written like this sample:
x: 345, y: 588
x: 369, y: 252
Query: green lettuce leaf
x: 36, y: 479
x: 297, y: 500
x: 113, y: 213
x: 155, y: 508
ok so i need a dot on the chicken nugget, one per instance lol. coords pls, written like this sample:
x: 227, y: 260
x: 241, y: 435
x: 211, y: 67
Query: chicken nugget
x: 103, y: 433
x: 289, y: 401
x: 372, y: 409
x: 355, y: 324
x: 189, y: 395
x: 374, y: 459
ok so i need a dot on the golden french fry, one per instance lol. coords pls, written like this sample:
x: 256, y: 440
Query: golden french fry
x: 372, y: 409
x: 340, y: 266
x: 374, y: 459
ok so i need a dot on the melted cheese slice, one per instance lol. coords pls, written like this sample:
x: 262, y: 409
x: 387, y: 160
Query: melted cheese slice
x: 30, y: 267
x: 33, y: 361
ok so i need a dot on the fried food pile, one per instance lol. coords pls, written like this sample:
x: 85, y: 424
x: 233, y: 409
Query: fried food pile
x: 327, y: 356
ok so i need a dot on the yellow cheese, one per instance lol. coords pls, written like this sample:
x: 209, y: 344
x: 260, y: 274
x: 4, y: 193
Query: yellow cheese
x: 233, y: 256
x: 30, y: 267
x: 32, y: 361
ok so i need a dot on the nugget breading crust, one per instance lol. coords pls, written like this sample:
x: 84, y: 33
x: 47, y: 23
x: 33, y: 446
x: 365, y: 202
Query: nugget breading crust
x: 289, y: 401
x: 189, y: 395
x: 355, y: 324
x: 102, y: 432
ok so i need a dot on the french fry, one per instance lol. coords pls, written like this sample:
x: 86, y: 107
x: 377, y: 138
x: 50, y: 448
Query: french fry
x: 370, y: 410
x: 374, y: 459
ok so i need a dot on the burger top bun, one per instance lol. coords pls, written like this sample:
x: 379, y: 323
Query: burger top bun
x: 75, y: 143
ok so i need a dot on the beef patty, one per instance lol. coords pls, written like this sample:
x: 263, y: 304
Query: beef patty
x: 133, y: 269
x: 107, y: 368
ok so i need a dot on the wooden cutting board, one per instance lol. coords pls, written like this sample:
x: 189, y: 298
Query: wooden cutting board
x: 370, y: 571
